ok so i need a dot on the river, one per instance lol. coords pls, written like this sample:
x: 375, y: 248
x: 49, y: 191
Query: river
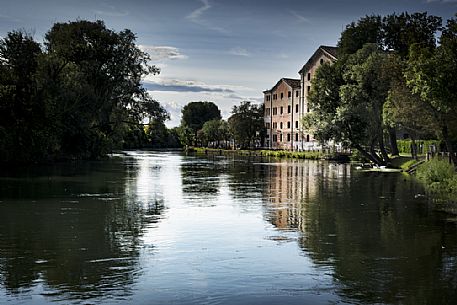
x: 166, y: 228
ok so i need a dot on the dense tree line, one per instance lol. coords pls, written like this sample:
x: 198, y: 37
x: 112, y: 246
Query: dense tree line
x: 202, y: 125
x: 392, y: 72
x: 77, y: 95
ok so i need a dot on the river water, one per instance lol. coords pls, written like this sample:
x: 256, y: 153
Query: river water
x: 165, y: 228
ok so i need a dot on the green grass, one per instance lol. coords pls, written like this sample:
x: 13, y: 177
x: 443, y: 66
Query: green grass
x: 403, y: 162
x: 312, y: 155
x: 439, y: 178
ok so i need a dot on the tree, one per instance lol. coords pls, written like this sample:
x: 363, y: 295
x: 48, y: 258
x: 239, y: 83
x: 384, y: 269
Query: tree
x: 23, y: 134
x: 366, y: 30
x: 211, y: 130
x: 402, y: 31
x: 432, y: 74
x: 405, y: 109
x: 247, y: 125
x: 347, y: 100
x: 78, y: 97
x: 393, y: 33
x: 195, y: 114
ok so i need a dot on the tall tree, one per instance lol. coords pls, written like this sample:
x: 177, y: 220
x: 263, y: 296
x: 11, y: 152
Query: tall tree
x: 367, y: 29
x: 403, y: 30
x: 432, y: 74
x: 195, y: 114
x: 347, y: 101
x: 98, y: 74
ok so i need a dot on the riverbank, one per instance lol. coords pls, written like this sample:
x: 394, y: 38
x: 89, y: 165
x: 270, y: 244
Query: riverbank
x: 310, y: 155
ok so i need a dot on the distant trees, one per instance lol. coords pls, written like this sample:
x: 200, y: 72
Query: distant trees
x: 247, y: 124
x: 78, y: 97
x: 195, y: 114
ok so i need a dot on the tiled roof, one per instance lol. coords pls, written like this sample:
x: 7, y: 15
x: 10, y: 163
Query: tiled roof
x: 293, y: 83
x: 328, y: 50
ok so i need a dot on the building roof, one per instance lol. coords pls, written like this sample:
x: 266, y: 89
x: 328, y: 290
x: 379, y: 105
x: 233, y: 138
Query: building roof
x: 327, y: 50
x: 291, y: 82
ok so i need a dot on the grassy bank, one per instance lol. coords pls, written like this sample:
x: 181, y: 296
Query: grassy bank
x: 311, y: 155
x: 440, y: 181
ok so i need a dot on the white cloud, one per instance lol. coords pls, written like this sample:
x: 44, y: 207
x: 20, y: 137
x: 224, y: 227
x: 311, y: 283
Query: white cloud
x: 155, y: 83
x: 239, y: 52
x: 300, y: 18
x: 196, y: 16
x: 158, y: 53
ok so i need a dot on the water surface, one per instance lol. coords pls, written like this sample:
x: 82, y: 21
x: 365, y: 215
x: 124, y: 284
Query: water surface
x: 165, y: 228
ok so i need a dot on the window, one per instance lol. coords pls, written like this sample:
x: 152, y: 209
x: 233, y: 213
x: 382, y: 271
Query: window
x: 280, y: 137
x: 280, y: 125
x: 309, y: 76
x: 282, y: 110
x: 296, y: 124
x: 282, y: 95
x: 288, y: 124
x: 275, y: 138
x: 322, y: 61
x: 296, y: 137
x: 307, y: 138
x: 267, y: 125
x: 308, y: 89
x: 288, y: 109
x: 296, y: 108
x: 275, y: 125
x: 267, y: 136
x: 267, y: 98
x: 289, y: 94
x: 275, y: 96
x: 297, y: 93
x: 267, y: 111
x: 288, y: 137
x: 275, y: 111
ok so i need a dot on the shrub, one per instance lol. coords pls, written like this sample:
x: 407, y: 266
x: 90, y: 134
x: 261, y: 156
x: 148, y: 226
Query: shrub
x: 439, y: 177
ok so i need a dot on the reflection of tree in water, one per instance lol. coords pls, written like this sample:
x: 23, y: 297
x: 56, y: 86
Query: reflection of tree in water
x: 201, y: 176
x: 384, y: 246
x: 79, y: 237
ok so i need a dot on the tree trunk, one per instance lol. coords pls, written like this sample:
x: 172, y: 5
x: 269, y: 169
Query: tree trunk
x: 448, y: 142
x: 393, y: 141
x: 367, y: 154
x: 384, y: 154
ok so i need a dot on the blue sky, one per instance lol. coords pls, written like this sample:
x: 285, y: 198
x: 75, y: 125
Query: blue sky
x: 216, y: 50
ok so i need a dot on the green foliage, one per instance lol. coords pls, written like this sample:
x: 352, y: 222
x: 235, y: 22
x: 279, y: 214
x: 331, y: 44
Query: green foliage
x: 247, y: 124
x: 432, y: 75
x: 404, y: 146
x: 439, y: 177
x: 78, y: 98
x: 195, y: 114
x: 366, y: 30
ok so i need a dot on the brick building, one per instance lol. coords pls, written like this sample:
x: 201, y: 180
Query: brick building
x: 287, y: 102
x: 281, y: 113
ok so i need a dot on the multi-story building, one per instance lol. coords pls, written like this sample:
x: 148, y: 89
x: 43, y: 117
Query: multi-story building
x: 281, y: 113
x: 287, y: 102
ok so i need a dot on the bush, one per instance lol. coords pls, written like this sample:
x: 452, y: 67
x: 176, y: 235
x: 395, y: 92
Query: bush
x: 439, y: 177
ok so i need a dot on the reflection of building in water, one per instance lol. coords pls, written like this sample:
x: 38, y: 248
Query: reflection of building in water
x: 294, y: 183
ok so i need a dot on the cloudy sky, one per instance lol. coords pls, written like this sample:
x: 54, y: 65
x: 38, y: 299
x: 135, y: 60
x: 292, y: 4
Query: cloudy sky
x: 224, y: 51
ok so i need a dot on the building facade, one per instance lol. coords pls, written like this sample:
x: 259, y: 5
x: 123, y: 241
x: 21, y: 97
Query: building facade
x: 287, y: 102
x: 281, y: 113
